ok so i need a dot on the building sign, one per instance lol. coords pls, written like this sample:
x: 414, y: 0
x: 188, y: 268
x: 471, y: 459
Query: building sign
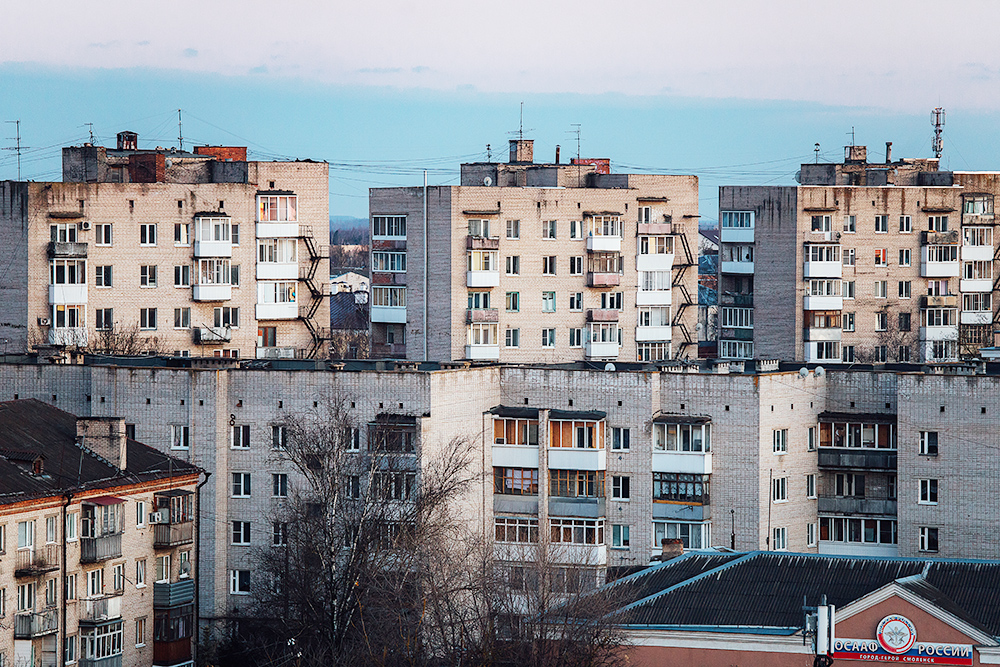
x: 896, y: 641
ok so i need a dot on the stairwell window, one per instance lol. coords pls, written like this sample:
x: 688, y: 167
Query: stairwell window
x: 928, y: 539
x: 928, y: 443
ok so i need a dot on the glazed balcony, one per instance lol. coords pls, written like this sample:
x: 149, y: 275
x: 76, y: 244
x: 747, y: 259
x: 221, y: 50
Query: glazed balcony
x: 857, y: 458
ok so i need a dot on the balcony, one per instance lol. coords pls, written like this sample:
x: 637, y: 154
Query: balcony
x: 737, y: 267
x: 277, y: 271
x: 29, y: 625
x: 97, y: 549
x: 657, y: 262
x: 975, y: 285
x: 602, y: 315
x: 823, y: 270
x: 939, y: 333
x: 275, y: 352
x: 853, y: 506
x: 823, y: 334
x: 858, y: 459
x: 977, y: 253
x: 173, y: 595
x: 110, y: 661
x: 698, y: 463
x: 504, y: 504
x: 571, y: 458
x: 948, y: 301
x: 681, y: 511
x: 734, y: 333
x: 388, y: 314
x: 67, y: 250
x: 277, y: 230
x: 100, y: 610
x: 736, y: 235
x: 68, y: 293
x: 213, y: 249
x: 481, y: 243
x: 482, y: 315
x: 730, y: 299
x: 204, y: 335
x: 212, y: 292
x: 813, y: 302
x: 662, y: 297
x: 975, y: 317
x: 655, y: 228
x: 482, y: 278
x: 643, y: 334
x: 939, y: 238
x: 68, y: 336
x: 587, y: 555
x: 277, y: 311
x: 482, y: 352
x: 385, y: 278
x: 603, y: 279
x: 515, y: 456
x: 604, y: 243
x: 601, y: 350
x: 977, y: 218
x: 37, y: 561
x: 172, y: 653
x: 173, y: 534
x: 579, y: 508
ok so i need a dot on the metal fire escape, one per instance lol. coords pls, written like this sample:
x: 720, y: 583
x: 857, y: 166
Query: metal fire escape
x: 318, y: 290
x: 677, y: 283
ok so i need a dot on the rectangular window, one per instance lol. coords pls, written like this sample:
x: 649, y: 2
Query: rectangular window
x: 147, y: 234
x: 163, y: 569
x: 102, y: 234
x: 780, y: 536
x: 279, y: 534
x: 513, y: 229
x: 241, y: 533
x: 779, y: 489
x: 63, y: 233
x: 904, y: 289
x: 95, y: 583
x: 548, y: 229
x: 68, y: 272
x: 881, y: 224
x: 102, y: 276
x: 71, y: 583
x: 611, y: 301
x: 619, y: 537
x: 548, y: 337
x: 71, y: 521
x: 847, y: 322
x: 737, y: 219
x: 352, y: 438
x: 575, y: 229
x: 279, y: 437
x: 576, y: 302
x: 780, y: 440
x: 928, y: 492
x: 937, y: 223
x: 140, y: 573
x: 227, y: 316
x: 881, y: 289
x: 548, y: 302
x: 279, y: 251
x: 147, y: 318
x: 575, y: 266
x: 140, y: 514
x: 118, y: 576
x: 239, y: 582
x: 903, y: 354
x: 279, y: 292
x: 929, y: 443
x: 182, y: 318
x: 513, y: 265
x: 848, y: 289
x: 104, y: 319
x: 928, y: 539
x: 881, y: 257
x: 977, y: 270
x: 388, y: 226
x: 240, y: 436
x: 681, y: 488
x: 620, y: 488
x: 848, y: 256
x: 850, y: 224
x: 479, y: 300
x: 140, y: 632
x: 620, y: 438
x: 515, y: 481
x: 881, y: 321
x: 664, y: 245
x: 241, y: 485
x: 517, y: 530
x: 904, y: 256
x: 942, y: 253
x: 180, y: 436
x: 479, y: 228
x: 576, y: 531
x: 549, y: 265
x: 811, y: 486
x: 821, y: 223
x: 576, y: 337
x: 810, y: 534
x: 279, y: 485
x: 811, y: 444
x: 389, y: 262
x: 645, y: 214
x: 904, y: 321
x: 905, y: 224
x: 182, y: 234
x: 847, y: 354
x: 182, y: 276
x: 512, y: 338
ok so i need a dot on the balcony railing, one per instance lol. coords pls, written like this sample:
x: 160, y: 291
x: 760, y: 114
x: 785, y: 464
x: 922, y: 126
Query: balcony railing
x: 946, y: 301
x: 33, y: 562
x: 99, y: 610
x: 481, y: 243
x: 28, y: 625
x: 482, y: 315
x: 173, y: 534
x: 110, y: 661
x: 172, y: 653
x: 830, y: 457
x: 57, y: 250
x: 870, y: 506
x: 172, y: 595
x: 595, y: 279
x: 602, y: 315
x: 97, y: 549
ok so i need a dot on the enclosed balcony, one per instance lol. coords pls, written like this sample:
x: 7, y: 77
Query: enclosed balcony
x: 584, y: 508
x: 28, y: 625
x: 481, y: 243
x: 604, y: 243
x: 655, y: 262
x: 945, y: 301
x: 102, y: 526
x: 828, y: 504
x: 481, y: 315
x: 212, y: 292
x: 940, y: 261
x: 68, y: 293
x: 603, y: 279
x: 603, y: 315
x: 212, y: 236
x: 822, y: 261
x: 277, y: 311
x: 172, y: 518
x: 167, y: 595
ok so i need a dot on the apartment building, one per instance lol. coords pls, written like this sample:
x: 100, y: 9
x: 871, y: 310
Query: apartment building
x: 97, y: 543
x: 536, y: 262
x: 862, y: 262
x: 169, y: 252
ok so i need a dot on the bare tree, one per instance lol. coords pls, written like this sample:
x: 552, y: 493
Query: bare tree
x: 350, y: 344
x: 121, y: 340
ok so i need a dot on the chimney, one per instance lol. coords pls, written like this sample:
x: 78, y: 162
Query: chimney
x: 128, y: 141
x: 557, y: 154
x: 105, y: 436
x: 888, y: 152
x: 521, y: 151
x: 671, y: 548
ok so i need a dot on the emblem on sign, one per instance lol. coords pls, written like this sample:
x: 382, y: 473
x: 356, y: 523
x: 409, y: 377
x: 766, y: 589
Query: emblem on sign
x: 896, y: 634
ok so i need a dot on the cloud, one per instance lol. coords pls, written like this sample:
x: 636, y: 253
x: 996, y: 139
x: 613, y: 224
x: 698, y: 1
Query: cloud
x: 380, y: 70
x: 420, y: 69
x: 105, y: 45
x: 190, y: 53
x: 260, y: 69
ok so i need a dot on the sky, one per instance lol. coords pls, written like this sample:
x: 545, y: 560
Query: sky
x: 734, y: 92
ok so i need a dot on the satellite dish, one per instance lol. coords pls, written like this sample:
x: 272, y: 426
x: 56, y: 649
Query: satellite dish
x: 487, y: 181
x: 609, y: 366
x: 185, y: 569
x: 803, y: 372
x: 820, y: 371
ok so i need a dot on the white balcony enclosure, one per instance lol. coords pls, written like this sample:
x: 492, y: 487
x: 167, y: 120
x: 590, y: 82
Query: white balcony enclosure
x: 584, y: 555
x: 977, y: 253
x: 277, y: 230
x: 976, y: 285
x: 736, y: 235
x: 653, y: 297
x: 737, y: 267
x: 601, y: 350
x: 482, y: 352
x: 810, y: 302
x: 644, y: 334
x: 68, y: 294
x: 482, y: 278
x: 823, y: 270
x: 697, y: 463
x: 811, y: 353
x: 213, y: 249
x: 277, y: 311
x: 657, y: 262
x: 68, y: 336
x: 388, y: 314
x: 212, y: 292
x: 571, y: 458
x: 515, y: 456
x: 276, y: 271
x: 823, y: 334
x: 975, y: 317
x: 939, y: 333
x: 604, y: 243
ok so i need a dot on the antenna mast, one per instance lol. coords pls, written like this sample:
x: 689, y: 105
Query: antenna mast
x: 91, y: 126
x: 180, y: 133
x: 520, y: 130
x: 18, y: 146
x: 937, y: 120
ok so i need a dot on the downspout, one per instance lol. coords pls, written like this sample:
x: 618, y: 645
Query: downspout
x: 426, y: 266
x: 197, y: 565
x: 62, y: 571
x: 770, y: 503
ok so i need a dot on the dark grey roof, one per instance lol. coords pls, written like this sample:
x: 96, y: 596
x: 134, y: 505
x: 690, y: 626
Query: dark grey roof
x: 516, y: 411
x: 30, y: 429
x: 347, y: 313
x: 767, y: 589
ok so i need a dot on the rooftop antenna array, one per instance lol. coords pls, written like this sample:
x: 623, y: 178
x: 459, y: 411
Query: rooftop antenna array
x: 519, y: 132
x: 852, y: 135
x: 17, y: 146
x: 816, y: 150
x: 90, y: 126
x: 937, y: 120
x: 180, y: 133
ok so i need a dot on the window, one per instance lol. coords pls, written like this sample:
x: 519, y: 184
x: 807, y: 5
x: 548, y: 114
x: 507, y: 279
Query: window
x: 938, y: 317
x: 828, y: 350
x: 241, y: 533
x: 95, y: 583
x: 513, y: 265
x: 512, y: 338
x: 904, y: 353
x: 576, y: 337
x: 118, y: 576
x: 847, y: 354
x: 937, y: 223
x: 279, y: 485
x: 737, y: 219
x: 977, y: 204
x: 68, y: 272
x: 928, y: 443
x: 729, y: 349
x: 682, y: 437
x: 848, y: 255
x: 942, y: 253
x: 576, y: 302
x: 849, y: 485
x: 147, y: 318
x: 681, y: 488
x: 664, y: 245
x: 810, y: 534
x: 70, y: 654
x: 140, y: 632
x: 140, y: 513
x: 576, y: 483
x: 147, y: 234
x: 619, y: 537
x: 905, y: 224
x: 63, y: 233
x: 279, y: 436
x: 480, y: 333
x: 50, y: 593
x: 516, y: 529
x: 140, y: 573
x: 811, y: 440
x: 848, y: 289
x: 71, y: 536
x: 548, y: 302
x: 180, y: 436
x: 575, y: 229
x: 278, y: 251
x: 352, y: 438
x: 480, y: 228
x: 279, y: 534
x: 549, y: 265
x: 881, y: 224
x: 881, y: 321
x: 102, y: 234
x: 881, y: 289
x: 850, y: 224
x: 620, y: 438
x: 928, y: 539
x: 576, y: 531
x: 645, y: 214
x: 182, y: 318
x: 977, y: 236
x: 780, y: 440
x: 50, y: 529
x: 937, y: 288
x: 102, y: 276
x: 384, y: 226
x: 226, y: 316
x: 240, y: 436
x: 25, y: 534
x: 821, y: 223
x: 691, y: 535
x: 654, y: 281
x: 904, y: 321
x: 548, y: 229
x: 659, y: 316
x: 241, y: 485
x: 513, y: 229
x: 779, y: 489
x: 515, y: 481
x: 182, y: 234
x: 811, y: 486
x: 977, y: 270
x: 904, y: 289
x: 620, y: 488
x: 234, y: 274
x: 390, y: 262
x: 575, y: 266
x: 239, y: 582
x: 928, y: 492
x: 881, y: 257
x: 904, y: 256
x: 482, y: 260
x: 611, y: 301
x: 479, y: 300
x: 780, y: 536
x: 847, y: 322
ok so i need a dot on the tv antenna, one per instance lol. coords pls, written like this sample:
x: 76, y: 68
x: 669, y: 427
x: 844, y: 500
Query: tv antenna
x: 180, y: 133
x: 489, y: 155
x: 90, y: 126
x: 520, y: 128
x: 816, y: 150
x: 937, y: 120
x: 17, y: 146
x: 576, y: 131
x: 852, y: 135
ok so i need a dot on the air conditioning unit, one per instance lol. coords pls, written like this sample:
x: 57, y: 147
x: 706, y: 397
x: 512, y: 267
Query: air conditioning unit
x: 159, y: 517
x: 44, y: 322
x: 85, y: 225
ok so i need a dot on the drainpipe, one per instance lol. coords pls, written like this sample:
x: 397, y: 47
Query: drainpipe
x: 61, y: 648
x: 426, y: 266
x: 197, y: 566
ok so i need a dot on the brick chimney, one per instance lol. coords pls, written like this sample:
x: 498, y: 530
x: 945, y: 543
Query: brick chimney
x: 671, y: 548
x: 105, y: 436
x: 128, y: 141
x: 522, y: 150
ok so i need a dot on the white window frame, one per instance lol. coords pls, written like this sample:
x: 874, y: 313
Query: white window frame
x: 929, y: 490
x: 779, y: 490
x: 779, y: 437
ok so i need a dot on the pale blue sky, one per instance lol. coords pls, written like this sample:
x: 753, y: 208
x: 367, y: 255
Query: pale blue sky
x: 736, y: 92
